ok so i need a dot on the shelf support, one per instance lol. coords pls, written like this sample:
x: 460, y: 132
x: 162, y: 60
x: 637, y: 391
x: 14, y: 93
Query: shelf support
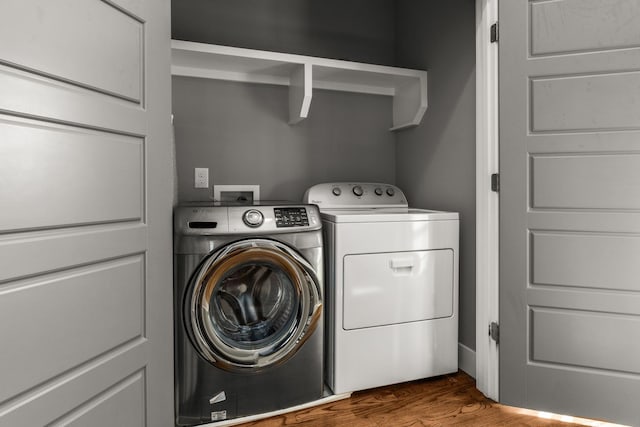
x: 300, y: 93
x: 409, y: 102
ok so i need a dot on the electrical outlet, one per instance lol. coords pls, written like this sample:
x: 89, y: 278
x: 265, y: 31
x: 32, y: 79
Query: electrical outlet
x: 201, y: 178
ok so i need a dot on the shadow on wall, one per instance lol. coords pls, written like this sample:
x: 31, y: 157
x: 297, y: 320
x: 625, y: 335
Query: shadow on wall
x: 355, y: 30
x: 442, y: 148
x: 435, y: 162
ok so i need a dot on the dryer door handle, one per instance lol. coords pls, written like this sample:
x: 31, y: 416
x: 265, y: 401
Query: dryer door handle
x: 401, y: 263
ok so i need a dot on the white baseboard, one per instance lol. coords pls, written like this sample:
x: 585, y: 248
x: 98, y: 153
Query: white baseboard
x: 467, y: 359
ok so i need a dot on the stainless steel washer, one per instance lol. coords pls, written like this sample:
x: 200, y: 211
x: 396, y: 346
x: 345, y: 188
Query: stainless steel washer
x: 248, y: 310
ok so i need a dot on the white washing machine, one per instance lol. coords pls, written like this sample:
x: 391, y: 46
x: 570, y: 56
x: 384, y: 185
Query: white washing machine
x: 391, y: 286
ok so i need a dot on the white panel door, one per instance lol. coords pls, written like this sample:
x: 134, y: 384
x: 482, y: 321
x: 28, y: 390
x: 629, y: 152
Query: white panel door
x: 570, y: 207
x: 85, y: 213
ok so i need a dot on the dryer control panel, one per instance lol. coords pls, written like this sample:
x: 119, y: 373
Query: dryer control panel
x: 355, y: 195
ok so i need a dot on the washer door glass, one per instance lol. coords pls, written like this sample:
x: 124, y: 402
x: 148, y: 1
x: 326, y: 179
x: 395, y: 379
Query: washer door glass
x: 253, y: 304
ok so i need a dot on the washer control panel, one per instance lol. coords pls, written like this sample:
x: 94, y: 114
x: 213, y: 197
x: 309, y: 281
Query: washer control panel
x: 344, y: 195
x: 265, y: 219
x: 256, y: 219
x: 291, y: 217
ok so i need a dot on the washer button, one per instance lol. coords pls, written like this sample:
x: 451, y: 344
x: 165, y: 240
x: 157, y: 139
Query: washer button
x: 336, y: 191
x: 253, y: 218
x: 378, y: 191
x: 357, y: 190
x: 390, y: 192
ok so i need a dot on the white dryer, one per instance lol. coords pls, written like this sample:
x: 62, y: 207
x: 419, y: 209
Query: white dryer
x: 391, y: 286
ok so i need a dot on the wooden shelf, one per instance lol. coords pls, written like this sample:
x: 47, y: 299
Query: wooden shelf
x: 304, y: 73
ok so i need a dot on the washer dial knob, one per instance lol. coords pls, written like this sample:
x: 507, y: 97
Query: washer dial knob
x: 378, y: 191
x: 336, y: 191
x: 253, y: 218
x: 358, y: 191
x: 390, y: 192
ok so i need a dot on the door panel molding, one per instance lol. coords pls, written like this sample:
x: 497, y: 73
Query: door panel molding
x: 584, y: 260
x: 61, y: 167
x: 63, y: 394
x: 103, y: 300
x: 83, y: 108
x: 585, y: 102
x: 92, y: 244
x: 575, y: 26
x: 584, y: 339
x: 108, y: 58
x: 123, y: 404
x: 585, y: 181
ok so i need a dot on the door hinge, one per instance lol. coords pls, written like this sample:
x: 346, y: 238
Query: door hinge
x: 494, y: 33
x: 494, y: 332
x: 495, y: 182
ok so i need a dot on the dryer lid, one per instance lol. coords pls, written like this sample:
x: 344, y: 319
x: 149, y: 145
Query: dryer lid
x: 386, y: 215
x: 368, y: 202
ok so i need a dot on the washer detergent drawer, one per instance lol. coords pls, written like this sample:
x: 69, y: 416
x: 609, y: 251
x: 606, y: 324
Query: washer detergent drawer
x: 397, y: 287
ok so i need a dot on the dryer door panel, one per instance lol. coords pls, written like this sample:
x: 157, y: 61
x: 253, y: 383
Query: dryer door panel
x: 397, y: 287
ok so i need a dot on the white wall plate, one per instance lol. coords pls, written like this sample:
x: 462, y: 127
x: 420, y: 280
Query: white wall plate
x: 236, y: 193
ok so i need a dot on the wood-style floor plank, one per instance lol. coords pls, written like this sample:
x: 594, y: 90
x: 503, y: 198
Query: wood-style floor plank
x: 450, y: 400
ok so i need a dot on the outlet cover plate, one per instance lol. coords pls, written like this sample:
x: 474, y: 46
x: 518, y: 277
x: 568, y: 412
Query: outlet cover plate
x: 201, y: 178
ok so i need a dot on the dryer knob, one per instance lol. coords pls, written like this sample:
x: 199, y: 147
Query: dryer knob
x: 390, y: 192
x: 358, y: 191
x: 336, y: 191
x: 253, y: 218
x: 378, y: 191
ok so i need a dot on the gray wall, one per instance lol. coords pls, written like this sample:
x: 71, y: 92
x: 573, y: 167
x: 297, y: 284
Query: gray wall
x: 435, y: 162
x: 355, y: 30
x: 240, y: 131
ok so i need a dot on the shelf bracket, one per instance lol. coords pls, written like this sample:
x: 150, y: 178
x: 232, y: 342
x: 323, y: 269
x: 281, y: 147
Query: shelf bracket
x: 409, y: 102
x: 300, y: 93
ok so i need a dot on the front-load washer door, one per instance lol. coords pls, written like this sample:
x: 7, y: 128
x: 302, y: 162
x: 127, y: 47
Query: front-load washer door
x: 252, y: 304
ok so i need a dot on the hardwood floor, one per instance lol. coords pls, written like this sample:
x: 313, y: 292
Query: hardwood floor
x: 442, y: 401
